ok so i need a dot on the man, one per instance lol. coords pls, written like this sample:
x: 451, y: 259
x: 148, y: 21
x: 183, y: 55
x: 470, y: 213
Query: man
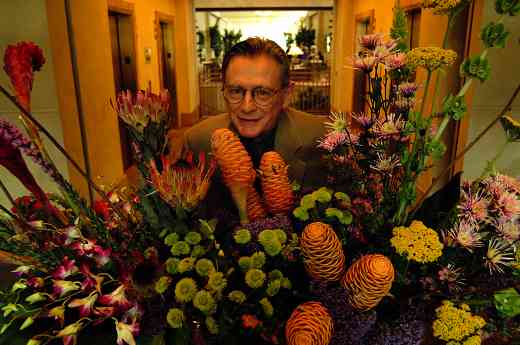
x: 256, y: 88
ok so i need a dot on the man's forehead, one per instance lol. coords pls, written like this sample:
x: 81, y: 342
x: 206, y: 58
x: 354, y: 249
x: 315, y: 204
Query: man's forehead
x: 261, y: 68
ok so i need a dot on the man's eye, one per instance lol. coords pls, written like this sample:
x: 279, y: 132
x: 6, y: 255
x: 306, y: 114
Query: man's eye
x: 235, y: 91
x: 261, y: 92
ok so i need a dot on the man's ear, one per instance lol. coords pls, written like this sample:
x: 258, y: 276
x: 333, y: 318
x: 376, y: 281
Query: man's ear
x: 287, y: 93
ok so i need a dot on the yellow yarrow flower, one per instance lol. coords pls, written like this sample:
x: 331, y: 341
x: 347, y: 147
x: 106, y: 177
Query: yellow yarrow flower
x: 417, y: 242
x: 456, y: 324
x: 431, y: 58
x: 441, y: 6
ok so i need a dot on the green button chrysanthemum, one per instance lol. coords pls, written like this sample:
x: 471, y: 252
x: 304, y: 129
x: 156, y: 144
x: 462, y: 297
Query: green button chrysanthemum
x: 204, y: 302
x: 245, y: 263
x: 281, y: 235
x: 272, y: 248
x: 212, y: 325
x: 198, y: 251
x: 242, y: 236
x: 162, y: 284
x: 255, y: 278
x: 204, y: 267
x: 258, y: 260
x: 175, y: 318
x: 267, y: 236
x: 237, y: 296
x: 172, y: 265
x: 171, y: 239
x: 185, y: 289
x: 216, y: 281
x: 180, y: 248
x: 193, y: 238
x: 273, y: 287
x: 267, y: 307
x: 186, y: 265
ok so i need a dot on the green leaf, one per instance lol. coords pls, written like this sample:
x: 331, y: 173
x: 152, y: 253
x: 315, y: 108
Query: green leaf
x: 507, y: 302
x: 4, y: 327
x: 346, y: 218
x: 301, y: 213
x: 494, y: 35
x: 29, y: 321
x: 333, y: 212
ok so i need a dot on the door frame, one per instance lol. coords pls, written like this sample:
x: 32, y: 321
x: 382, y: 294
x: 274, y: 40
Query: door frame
x: 161, y: 17
x: 128, y: 9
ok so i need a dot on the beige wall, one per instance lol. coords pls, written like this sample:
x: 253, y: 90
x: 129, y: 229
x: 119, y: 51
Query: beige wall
x: 489, y: 99
x: 15, y: 27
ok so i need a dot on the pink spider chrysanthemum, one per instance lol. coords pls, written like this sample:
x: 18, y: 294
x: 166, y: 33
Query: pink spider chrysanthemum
x: 389, y: 128
x: 473, y: 207
x: 508, y: 230
x: 333, y: 140
x: 499, y: 255
x: 465, y: 235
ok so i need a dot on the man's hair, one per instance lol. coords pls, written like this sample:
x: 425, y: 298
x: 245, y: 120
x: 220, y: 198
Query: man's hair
x: 257, y: 46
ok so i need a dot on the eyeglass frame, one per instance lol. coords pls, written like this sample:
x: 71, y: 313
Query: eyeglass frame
x: 244, y: 91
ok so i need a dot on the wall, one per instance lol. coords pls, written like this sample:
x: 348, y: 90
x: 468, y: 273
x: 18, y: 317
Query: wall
x: 489, y: 99
x: 15, y: 27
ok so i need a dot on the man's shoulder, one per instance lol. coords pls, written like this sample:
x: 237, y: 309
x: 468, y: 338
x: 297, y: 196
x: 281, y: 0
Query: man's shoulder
x: 198, y: 137
x: 307, y: 124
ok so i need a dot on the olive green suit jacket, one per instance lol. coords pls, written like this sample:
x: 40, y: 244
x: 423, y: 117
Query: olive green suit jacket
x: 296, y: 138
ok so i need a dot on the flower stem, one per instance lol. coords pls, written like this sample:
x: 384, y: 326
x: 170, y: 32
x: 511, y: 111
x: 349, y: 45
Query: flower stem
x: 426, y: 87
x: 491, y: 165
x: 506, y: 108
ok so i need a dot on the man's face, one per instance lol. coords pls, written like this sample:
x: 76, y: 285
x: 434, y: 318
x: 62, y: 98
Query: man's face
x: 249, y: 73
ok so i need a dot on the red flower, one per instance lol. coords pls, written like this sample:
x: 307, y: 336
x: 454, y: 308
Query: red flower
x: 250, y: 321
x: 20, y: 62
x: 102, y: 209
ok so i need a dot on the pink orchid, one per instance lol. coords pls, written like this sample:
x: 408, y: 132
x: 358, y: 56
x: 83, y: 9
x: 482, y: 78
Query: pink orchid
x: 91, y: 280
x: 35, y: 282
x: 22, y: 270
x: 102, y: 256
x: 66, y: 269
x: 85, y: 305
x: 83, y: 247
x: 63, y: 287
x: 58, y: 313
x: 104, y: 311
x: 116, y: 298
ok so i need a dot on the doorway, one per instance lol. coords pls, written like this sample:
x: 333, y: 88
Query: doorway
x: 166, y: 56
x: 124, y: 66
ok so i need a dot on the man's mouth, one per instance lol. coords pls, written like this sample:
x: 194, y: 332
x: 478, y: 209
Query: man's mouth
x: 248, y: 120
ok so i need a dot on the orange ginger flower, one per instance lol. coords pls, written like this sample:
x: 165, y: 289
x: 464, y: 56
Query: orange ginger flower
x: 255, y: 208
x: 310, y: 324
x: 368, y: 280
x: 278, y: 193
x: 321, y: 247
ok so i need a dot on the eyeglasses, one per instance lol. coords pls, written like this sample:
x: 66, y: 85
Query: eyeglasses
x: 262, y: 96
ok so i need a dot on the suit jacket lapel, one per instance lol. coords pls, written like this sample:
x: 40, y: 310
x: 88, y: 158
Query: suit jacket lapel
x: 288, y: 144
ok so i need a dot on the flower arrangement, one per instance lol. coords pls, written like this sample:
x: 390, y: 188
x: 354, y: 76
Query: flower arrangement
x: 339, y: 264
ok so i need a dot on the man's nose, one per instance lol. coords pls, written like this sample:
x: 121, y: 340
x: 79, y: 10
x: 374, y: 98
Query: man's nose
x: 248, y: 103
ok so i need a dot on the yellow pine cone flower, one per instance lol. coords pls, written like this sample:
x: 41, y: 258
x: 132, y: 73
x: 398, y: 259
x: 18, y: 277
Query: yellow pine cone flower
x: 321, y: 247
x: 455, y: 324
x: 310, y: 324
x: 417, y: 242
x: 255, y: 208
x: 232, y: 158
x: 277, y: 189
x: 368, y: 280
x: 431, y: 58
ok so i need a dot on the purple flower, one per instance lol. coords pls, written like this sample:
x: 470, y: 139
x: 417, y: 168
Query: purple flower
x: 395, y: 61
x: 473, y: 207
x: 364, y: 120
x: 365, y: 63
x: 407, y: 89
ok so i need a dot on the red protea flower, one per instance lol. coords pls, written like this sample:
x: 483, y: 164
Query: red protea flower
x: 20, y: 63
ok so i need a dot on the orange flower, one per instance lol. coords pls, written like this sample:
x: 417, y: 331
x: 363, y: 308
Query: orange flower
x: 250, y: 321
